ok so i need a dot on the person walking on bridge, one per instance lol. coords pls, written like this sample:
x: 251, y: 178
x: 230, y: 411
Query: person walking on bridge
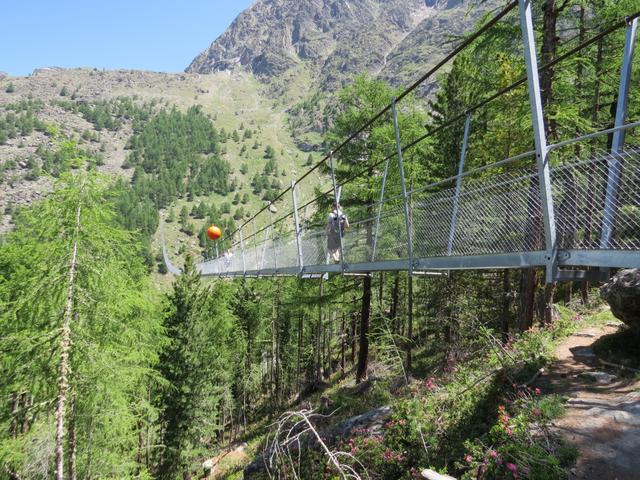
x: 336, y: 226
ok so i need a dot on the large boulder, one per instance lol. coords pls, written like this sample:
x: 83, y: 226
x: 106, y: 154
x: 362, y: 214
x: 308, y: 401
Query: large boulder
x: 622, y: 293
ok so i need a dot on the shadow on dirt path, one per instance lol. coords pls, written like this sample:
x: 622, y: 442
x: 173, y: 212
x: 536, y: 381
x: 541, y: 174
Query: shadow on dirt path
x: 603, y: 411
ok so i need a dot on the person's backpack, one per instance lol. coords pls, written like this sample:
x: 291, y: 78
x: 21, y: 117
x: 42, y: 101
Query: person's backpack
x: 338, y: 228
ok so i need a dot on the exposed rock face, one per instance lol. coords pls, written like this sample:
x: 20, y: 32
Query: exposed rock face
x: 622, y: 293
x: 336, y: 38
x: 274, y: 35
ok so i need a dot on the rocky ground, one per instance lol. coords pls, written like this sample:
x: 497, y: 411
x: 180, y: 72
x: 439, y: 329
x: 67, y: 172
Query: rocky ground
x: 603, y: 409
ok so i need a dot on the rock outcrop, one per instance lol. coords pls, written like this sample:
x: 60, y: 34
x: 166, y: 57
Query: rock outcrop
x: 622, y: 293
x: 335, y: 38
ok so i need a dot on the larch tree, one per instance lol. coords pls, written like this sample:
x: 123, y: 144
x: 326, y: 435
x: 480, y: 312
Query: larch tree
x: 78, y: 338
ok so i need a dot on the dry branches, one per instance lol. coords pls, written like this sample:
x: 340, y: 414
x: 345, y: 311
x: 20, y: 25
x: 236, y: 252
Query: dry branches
x: 292, y: 431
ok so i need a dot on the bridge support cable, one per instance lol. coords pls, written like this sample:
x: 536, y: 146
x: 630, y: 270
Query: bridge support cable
x: 296, y: 224
x: 171, y: 268
x: 540, y: 138
x: 403, y: 185
x: 615, y: 164
x: 380, y: 205
x: 456, y: 197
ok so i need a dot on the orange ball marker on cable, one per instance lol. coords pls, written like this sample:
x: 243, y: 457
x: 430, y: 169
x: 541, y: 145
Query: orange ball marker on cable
x: 214, y: 233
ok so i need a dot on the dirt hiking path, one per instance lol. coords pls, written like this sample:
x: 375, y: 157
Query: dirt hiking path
x: 603, y: 410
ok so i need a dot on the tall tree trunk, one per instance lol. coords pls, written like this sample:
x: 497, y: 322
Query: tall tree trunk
x: 15, y: 407
x: 318, y: 359
x: 549, y: 291
x: 568, y: 292
x: 353, y: 336
x: 276, y: 324
x: 548, y: 52
x: 342, y: 342
x: 363, y: 353
x: 506, y: 306
x: 451, y: 328
x: 13, y: 428
x: 393, y: 312
x: 65, y: 348
x: 73, y: 447
x: 27, y: 403
x: 298, y: 363
x: 409, y: 320
x: 323, y: 362
x: 550, y: 40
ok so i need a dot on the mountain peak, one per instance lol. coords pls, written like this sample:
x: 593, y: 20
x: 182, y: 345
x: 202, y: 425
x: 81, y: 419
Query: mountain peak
x: 273, y: 36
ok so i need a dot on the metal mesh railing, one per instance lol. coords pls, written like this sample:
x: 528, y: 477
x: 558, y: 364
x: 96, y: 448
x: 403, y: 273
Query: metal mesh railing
x: 579, y: 192
x: 496, y: 213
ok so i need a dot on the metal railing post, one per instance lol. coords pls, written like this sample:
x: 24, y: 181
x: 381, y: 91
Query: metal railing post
x: 336, y: 197
x: 375, y: 232
x: 255, y: 243
x: 615, y: 164
x: 407, y: 217
x: 296, y: 221
x: 456, y: 198
x: 244, y: 263
x: 540, y: 138
x: 273, y: 241
x: 264, y: 251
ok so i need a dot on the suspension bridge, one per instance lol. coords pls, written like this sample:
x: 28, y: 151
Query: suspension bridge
x: 576, y: 214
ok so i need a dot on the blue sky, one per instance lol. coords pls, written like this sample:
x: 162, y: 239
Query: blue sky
x: 160, y: 35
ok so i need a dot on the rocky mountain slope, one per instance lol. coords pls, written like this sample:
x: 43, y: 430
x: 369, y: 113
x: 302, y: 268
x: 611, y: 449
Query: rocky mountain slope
x: 339, y: 38
x: 231, y: 101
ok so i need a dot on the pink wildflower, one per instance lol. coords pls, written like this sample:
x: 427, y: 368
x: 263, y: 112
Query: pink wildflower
x: 468, y: 459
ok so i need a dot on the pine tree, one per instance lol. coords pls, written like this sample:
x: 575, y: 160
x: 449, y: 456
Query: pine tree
x: 197, y: 368
x: 269, y: 152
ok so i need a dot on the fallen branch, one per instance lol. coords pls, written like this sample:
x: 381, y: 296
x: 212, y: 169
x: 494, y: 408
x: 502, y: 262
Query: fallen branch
x: 290, y: 430
x: 532, y: 379
x: 615, y: 365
